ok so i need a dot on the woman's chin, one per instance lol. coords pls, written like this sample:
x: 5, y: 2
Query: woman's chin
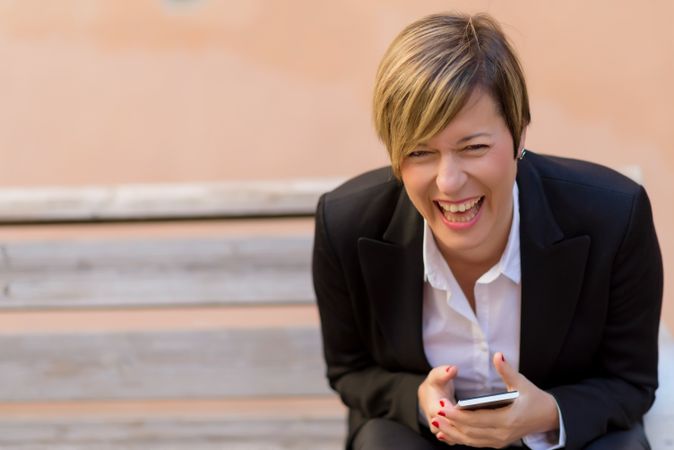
x: 458, y: 240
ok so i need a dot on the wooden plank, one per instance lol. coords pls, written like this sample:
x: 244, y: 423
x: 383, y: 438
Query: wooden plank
x: 251, y: 423
x: 155, y: 272
x: 296, y: 197
x: 148, y: 434
x: 277, y: 434
x: 162, y: 365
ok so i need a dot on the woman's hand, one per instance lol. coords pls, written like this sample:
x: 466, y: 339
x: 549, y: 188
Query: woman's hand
x: 437, y: 389
x: 534, y: 411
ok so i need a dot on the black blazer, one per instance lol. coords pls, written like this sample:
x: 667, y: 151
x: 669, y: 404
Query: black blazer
x: 591, y: 295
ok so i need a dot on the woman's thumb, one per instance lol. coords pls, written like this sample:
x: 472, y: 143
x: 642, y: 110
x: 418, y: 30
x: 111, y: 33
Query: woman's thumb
x: 509, y: 375
x: 450, y: 372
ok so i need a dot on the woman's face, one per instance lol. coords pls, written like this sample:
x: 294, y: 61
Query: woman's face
x: 461, y: 181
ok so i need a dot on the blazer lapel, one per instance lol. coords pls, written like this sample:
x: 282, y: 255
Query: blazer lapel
x: 552, y: 274
x: 393, y: 272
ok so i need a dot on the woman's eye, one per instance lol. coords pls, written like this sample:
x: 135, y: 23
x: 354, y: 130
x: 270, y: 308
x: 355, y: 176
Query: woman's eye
x: 418, y: 153
x: 476, y: 147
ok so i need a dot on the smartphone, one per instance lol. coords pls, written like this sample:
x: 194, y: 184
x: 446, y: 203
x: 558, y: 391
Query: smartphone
x: 489, y: 401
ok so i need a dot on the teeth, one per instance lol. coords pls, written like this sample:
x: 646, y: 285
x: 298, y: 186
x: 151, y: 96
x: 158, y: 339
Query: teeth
x: 469, y: 210
x: 462, y: 207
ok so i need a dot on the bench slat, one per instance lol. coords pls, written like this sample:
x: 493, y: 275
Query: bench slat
x: 162, y: 365
x: 172, y: 201
x: 148, y: 434
x: 278, y: 434
x: 159, y: 272
x: 279, y: 423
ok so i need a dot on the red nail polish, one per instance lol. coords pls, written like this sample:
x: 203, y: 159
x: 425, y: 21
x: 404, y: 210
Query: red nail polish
x: 435, y: 424
x: 442, y: 403
x: 441, y: 413
x: 502, y: 357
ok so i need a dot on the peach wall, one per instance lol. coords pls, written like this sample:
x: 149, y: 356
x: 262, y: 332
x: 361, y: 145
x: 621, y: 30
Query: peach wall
x: 113, y: 91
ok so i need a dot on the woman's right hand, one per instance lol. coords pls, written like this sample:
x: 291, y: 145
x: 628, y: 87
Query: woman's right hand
x: 436, y: 388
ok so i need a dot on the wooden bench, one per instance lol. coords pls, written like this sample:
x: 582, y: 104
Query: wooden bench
x: 173, y: 317
x: 162, y: 317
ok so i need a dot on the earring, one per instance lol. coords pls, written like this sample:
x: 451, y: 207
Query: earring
x: 522, y: 153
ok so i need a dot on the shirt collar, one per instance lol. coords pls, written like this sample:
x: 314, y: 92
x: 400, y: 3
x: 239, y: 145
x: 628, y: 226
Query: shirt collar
x: 438, y: 274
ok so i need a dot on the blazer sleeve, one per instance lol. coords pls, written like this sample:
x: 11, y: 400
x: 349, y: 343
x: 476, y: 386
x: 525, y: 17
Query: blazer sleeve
x: 628, y: 355
x: 366, y: 388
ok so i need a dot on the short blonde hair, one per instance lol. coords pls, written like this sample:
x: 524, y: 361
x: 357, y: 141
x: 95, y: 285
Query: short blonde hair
x: 429, y: 72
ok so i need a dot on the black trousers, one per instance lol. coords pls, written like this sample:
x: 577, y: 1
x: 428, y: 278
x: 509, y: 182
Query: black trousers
x: 383, y: 434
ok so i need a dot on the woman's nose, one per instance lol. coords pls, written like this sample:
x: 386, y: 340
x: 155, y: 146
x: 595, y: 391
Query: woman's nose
x: 450, y: 177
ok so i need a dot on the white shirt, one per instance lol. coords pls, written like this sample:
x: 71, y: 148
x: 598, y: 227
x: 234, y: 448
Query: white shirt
x: 454, y: 334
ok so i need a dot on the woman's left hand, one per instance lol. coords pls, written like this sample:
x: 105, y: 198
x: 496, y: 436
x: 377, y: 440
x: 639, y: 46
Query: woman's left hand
x: 534, y: 411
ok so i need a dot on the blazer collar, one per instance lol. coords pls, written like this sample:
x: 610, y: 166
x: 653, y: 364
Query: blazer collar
x: 535, y: 212
x: 406, y: 225
x: 553, y: 265
x: 393, y: 273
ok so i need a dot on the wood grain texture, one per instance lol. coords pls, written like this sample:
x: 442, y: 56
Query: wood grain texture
x: 148, y: 434
x: 162, y: 365
x: 163, y: 433
x: 155, y: 272
x: 163, y: 201
x: 314, y: 422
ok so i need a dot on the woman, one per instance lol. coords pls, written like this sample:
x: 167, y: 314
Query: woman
x: 471, y: 266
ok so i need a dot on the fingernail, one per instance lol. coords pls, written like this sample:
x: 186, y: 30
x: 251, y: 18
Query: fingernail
x: 441, y: 413
x: 442, y: 403
x: 502, y: 357
x: 435, y: 424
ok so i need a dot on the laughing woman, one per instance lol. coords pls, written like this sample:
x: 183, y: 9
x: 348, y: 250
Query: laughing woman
x: 471, y: 265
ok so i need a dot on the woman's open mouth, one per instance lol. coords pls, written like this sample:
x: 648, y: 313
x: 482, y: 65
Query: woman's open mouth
x: 461, y: 212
